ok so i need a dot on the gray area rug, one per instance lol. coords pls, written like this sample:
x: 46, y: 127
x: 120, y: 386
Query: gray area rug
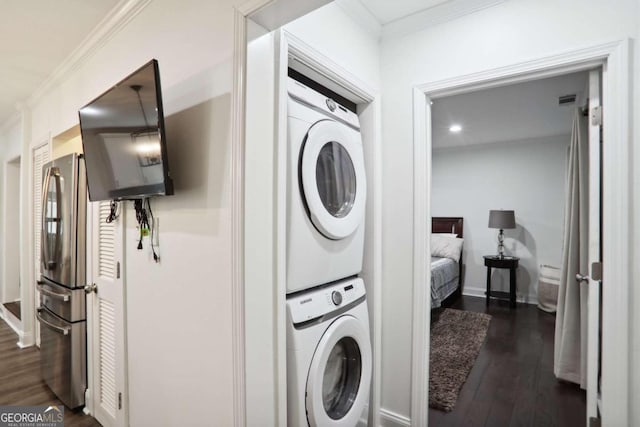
x: 456, y: 338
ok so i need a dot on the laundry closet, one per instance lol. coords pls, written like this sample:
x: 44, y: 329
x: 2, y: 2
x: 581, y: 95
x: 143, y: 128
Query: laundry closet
x: 317, y: 236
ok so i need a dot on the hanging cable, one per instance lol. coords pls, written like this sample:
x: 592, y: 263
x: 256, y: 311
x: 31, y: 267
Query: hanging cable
x: 141, y: 219
x: 156, y: 258
x: 113, y: 213
x: 145, y: 228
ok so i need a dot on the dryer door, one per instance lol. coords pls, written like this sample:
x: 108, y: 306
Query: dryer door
x: 333, y: 178
x: 340, y: 375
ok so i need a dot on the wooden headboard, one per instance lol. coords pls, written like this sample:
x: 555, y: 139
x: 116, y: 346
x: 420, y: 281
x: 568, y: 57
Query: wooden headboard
x: 450, y: 224
x: 441, y: 224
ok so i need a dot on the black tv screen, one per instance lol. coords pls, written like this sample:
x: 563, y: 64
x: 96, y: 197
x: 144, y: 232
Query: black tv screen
x: 123, y: 138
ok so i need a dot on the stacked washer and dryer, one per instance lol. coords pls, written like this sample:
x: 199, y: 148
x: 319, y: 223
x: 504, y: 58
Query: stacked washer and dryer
x: 329, y: 357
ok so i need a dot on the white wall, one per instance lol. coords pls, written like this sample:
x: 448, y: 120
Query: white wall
x: 178, y: 311
x: 334, y: 34
x: 508, y: 33
x: 526, y: 176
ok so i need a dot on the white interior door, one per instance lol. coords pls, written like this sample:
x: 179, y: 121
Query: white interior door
x: 594, y: 311
x: 40, y: 156
x: 109, y: 369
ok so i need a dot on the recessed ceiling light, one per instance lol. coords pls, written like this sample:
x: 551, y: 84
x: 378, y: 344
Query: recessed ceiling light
x: 455, y: 128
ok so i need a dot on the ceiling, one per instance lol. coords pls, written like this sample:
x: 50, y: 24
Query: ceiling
x: 35, y: 38
x: 517, y: 112
x: 386, y: 11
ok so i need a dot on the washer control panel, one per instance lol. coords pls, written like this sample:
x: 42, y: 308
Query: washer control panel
x: 318, y: 302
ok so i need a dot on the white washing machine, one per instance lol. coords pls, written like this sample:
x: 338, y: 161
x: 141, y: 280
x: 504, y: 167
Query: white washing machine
x: 327, y: 190
x: 328, y: 356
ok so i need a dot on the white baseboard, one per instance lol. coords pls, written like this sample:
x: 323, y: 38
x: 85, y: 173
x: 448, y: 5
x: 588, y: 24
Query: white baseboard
x: 13, y: 323
x: 480, y: 292
x: 391, y: 419
x: 26, y: 340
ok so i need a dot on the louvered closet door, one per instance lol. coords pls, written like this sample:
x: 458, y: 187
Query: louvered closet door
x: 109, y: 352
x: 40, y: 156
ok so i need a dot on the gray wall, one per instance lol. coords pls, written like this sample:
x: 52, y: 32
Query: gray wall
x: 526, y: 176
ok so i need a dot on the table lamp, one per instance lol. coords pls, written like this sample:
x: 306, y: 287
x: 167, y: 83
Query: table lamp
x: 501, y: 220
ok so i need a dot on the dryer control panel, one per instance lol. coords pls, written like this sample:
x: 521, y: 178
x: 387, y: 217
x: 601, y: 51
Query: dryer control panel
x: 320, y: 302
x: 321, y: 103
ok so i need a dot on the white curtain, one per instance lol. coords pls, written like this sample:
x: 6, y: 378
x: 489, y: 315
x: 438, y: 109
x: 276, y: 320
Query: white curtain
x: 570, y: 355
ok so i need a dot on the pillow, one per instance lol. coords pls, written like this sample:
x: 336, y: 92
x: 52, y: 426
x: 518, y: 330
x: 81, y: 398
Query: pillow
x: 447, y: 234
x: 446, y: 246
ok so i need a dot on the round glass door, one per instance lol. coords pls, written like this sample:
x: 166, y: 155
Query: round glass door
x: 341, y: 379
x: 336, y: 179
x: 333, y: 178
x: 340, y: 374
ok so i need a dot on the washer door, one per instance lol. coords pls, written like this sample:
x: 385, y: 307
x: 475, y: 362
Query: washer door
x: 340, y: 375
x: 333, y: 179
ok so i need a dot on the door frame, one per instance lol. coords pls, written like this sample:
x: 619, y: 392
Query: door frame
x: 9, y: 255
x: 613, y: 57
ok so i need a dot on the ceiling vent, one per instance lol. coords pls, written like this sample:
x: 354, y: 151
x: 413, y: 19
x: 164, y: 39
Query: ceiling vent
x: 567, y: 99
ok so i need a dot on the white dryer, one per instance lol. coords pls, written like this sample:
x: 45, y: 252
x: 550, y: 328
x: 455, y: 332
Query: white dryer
x: 328, y: 356
x: 326, y: 193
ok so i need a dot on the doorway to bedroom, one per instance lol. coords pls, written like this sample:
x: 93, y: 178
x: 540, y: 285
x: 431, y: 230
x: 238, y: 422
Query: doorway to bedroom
x: 505, y: 178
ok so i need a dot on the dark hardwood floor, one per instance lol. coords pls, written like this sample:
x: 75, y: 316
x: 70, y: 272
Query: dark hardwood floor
x: 21, y: 383
x: 512, y: 381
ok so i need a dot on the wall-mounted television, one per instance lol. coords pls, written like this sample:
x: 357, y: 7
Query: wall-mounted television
x: 123, y: 138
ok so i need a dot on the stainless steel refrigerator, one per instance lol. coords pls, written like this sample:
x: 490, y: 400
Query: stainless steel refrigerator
x: 62, y: 311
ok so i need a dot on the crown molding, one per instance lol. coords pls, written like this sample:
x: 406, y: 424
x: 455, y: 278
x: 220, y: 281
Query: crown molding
x: 435, y: 15
x: 363, y: 16
x: 112, y: 23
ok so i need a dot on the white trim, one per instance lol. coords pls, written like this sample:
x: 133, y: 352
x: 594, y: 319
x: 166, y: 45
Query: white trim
x: 432, y: 16
x: 549, y: 66
x: 421, y: 246
x: 24, y: 339
x: 237, y: 219
x: 8, y: 252
x: 616, y: 243
x: 252, y: 6
x: 90, y: 398
x: 480, y: 292
x: 302, y: 52
x: 280, y: 223
x: 614, y: 57
x: 391, y: 419
x: 238, y: 109
x: 117, y: 18
x: 12, y: 321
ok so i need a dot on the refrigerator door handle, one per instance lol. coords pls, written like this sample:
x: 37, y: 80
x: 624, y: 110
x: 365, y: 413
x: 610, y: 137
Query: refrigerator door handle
x: 63, y: 331
x: 44, y: 250
x: 48, y: 292
x: 48, y: 262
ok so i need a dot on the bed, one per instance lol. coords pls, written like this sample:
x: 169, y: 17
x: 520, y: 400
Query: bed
x: 446, y: 277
